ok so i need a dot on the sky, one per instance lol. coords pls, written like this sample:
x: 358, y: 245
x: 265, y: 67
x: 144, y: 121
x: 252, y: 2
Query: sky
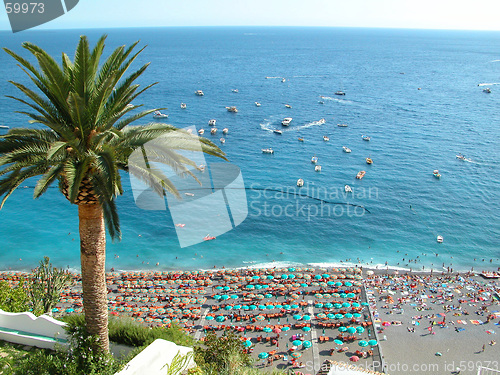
x: 418, y: 14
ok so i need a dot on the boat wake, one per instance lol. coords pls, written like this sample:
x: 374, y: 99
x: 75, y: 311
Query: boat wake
x: 495, y: 61
x: 489, y: 84
x: 267, y: 127
x: 274, y: 77
x: 308, y: 125
x: 344, y: 101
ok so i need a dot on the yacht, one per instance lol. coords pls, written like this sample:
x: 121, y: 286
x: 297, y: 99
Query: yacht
x: 317, y: 168
x: 201, y: 167
x: 212, y: 122
x: 365, y: 138
x: 322, y: 121
x: 339, y: 92
x: 314, y: 159
x: 487, y: 90
x: 326, y: 138
x: 277, y: 131
x: 283, y: 80
x: 4, y: 127
x: 286, y: 121
x: 346, y: 149
x: 347, y: 189
x: 288, y: 106
x: 213, y: 130
x: 369, y: 161
x: 201, y: 131
x: 300, y: 182
x: 158, y: 114
x: 342, y: 125
x: 267, y: 151
x: 235, y: 91
x: 225, y: 131
x: 436, y: 173
x: 183, y: 106
x: 360, y: 175
x: 199, y: 93
x: 222, y: 140
x: 232, y: 109
x: 257, y: 104
x: 440, y: 239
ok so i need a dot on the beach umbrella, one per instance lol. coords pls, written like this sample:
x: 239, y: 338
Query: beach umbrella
x: 351, y: 295
x: 225, y: 296
x: 360, y: 329
x: 306, y: 329
x: 291, y: 276
x: 55, y: 310
x: 220, y: 318
x: 209, y: 317
x: 250, y: 286
x: 297, y: 317
x: 364, y: 303
x: 291, y: 269
x: 277, y: 330
x: 306, y: 344
x: 339, y: 316
x: 318, y: 305
x: 287, y: 307
x: 237, y: 307
x: 219, y: 287
x: 338, y: 283
x: 330, y: 283
x: 245, y: 307
x: 317, y: 277
x: 284, y: 329
x: 348, y: 315
x: 227, y: 288
x: 268, y: 295
x: 258, y: 286
x: 259, y: 296
x: 295, y: 306
x: 328, y: 305
x: 362, y: 343
x: 260, y: 317
x: 338, y: 342
x: 296, y: 355
x: 253, y: 307
x: 234, y: 296
x: 354, y: 358
x: 357, y: 315
x: 343, y: 295
x: 372, y: 342
x: 262, y: 307
x: 330, y: 316
x: 70, y: 310
x: 269, y: 307
x: 321, y: 316
x: 263, y: 355
x: 255, y: 277
x: 304, y: 285
x: 296, y: 343
x: 318, y: 295
x: 337, y: 305
x: 247, y: 343
x: 306, y: 317
x: 216, y: 297
x: 270, y: 277
x: 351, y: 330
x: 228, y: 307
x: 267, y: 329
x: 284, y: 276
x: 355, y: 304
x: 347, y: 283
x: 342, y: 329
x: 279, y: 306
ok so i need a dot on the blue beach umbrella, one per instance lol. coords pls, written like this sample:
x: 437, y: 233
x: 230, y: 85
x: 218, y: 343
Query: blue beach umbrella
x: 330, y: 283
x: 351, y: 295
x: 304, y: 285
x: 255, y: 277
x: 219, y: 287
x: 70, y: 310
x: 279, y: 306
x: 337, y: 305
x: 328, y: 305
x: 362, y: 343
x: 325, y: 276
x: 286, y: 328
x: 338, y: 283
x: 347, y: 283
x: 348, y: 315
x: 250, y: 286
x: 297, y: 343
x: 227, y: 288
x: 263, y: 355
x: 372, y: 342
x: 291, y: 269
x: 294, y: 306
x: 317, y: 277
x: 364, y: 303
x: 360, y: 329
x: 343, y: 295
x: 306, y: 329
x: 346, y: 304
x: 209, y: 317
x: 284, y: 276
x: 342, y: 329
x: 217, y: 297
x: 225, y: 296
x: 306, y: 317
x: 269, y: 277
x: 237, y: 307
x: 318, y: 305
x: 306, y: 344
x: 246, y: 307
x: 268, y: 295
x: 267, y: 329
x: 220, y: 318
x: 234, y: 296
x: 297, y: 317
x: 357, y: 315
x: 253, y: 307
x: 291, y: 276
x: 247, y: 343
x: 338, y: 342
x: 330, y: 316
x: 269, y: 307
x: 339, y: 316
x: 351, y: 330
x: 355, y: 304
x: 287, y: 307
x: 262, y: 307
x: 258, y: 286
x: 228, y: 307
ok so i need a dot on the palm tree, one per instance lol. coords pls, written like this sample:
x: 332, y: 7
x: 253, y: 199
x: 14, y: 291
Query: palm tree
x: 85, y: 105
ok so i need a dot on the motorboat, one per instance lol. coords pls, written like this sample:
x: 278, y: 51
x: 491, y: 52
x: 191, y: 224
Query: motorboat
x: 436, y: 173
x: 189, y: 194
x: 463, y: 158
x: 314, y: 159
x: 222, y: 140
x: 158, y: 114
x: 225, y: 131
x: 301, y: 139
x: 440, y: 239
x: 283, y: 80
x: 322, y: 121
x: 212, y: 122
x: 267, y: 151
x: 232, y: 109
x: 277, y: 131
x: 317, y: 168
x: 201, y: 131
x: 4, y: 127
x: 487, y: 90
x: 365, y: 138
x: 180, y: 225
x: 288, y: 106
x: 199, y: 93
x: 342, y: 125
x: 339, y: 92
x: 346, y: 149
x: 183, y: 106
x: 321, y: 102
x: 286, y: 121
x: 369, y: 161
x: 213, y: 130
x: 235, y: 91
x: 347, y: 189
x: 208, y: 238
x: 257, y: 104
x: 300, y: 182
x: 360, y: 175
x: 326, y: 138
x: 201, y: 167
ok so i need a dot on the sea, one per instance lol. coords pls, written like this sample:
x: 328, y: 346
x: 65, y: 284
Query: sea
x: 418, y: 95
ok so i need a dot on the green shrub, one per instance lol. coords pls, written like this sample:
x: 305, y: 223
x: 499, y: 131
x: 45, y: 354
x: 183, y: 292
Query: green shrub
x: 13, y: 299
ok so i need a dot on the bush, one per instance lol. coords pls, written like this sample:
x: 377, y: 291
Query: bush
x: 13, y: 299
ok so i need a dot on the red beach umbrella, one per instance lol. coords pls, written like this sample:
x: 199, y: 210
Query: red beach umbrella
x: 354, y: 358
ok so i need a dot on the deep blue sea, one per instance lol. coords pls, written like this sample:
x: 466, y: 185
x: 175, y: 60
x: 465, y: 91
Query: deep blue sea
x: 414, y: 92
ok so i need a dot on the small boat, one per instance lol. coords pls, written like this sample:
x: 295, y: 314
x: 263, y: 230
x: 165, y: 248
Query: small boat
x: 288, y: 106
x: 339, y: 92
x: 440, y: 239
x: 183, y: 106
x: 257, y: 104
x: 300, y: 182
x: 283, y: 80
x: 201, y: 167
x: 314, y: 159
x: 232, y: 109
x: 225, y: 131
x: 180, y: 225
x: 222, y: 140
x: 360, y: 175
x: 369, y: 161
x: 321, y: 102
x: 322, y: 121
x: 286, y: 121
x: 317, y: 168
x: 301, y: 139
x: 436, y: 173
x: 365, y: 138
x: 189, y: 194
x: 213, y: 130
x: 277, y: 131
x: 208, y: 238
x: 235, y: 91
x: 347, y: 189
x: 199, y: 93
x: 201, y: 131
x: 346, y: 149
x: 326, y: 138
x: 212, y: 122
x: 4, y: 127
x: 342, y: 125
x: 487, y: 90
x: 463, y: 158
x: 267, y: 151
x: 158, y: 114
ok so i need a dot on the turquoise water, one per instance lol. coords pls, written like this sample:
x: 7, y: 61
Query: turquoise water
x: 412, y: 133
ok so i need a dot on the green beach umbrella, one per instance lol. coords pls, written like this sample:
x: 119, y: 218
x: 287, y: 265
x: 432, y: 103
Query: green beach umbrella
x: 297, y: 343
x: 247, y: 343
x: 338, y: 342
x: 351, y: 330
x: 306, y: 344
x: 306, y: 329
x: 342, y: 329
x: 372, y: 342
x: 263, y: 355
x: 362, y: 343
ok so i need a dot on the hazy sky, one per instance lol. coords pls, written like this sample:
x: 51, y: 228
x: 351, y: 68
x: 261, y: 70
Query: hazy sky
x: 429, y: 14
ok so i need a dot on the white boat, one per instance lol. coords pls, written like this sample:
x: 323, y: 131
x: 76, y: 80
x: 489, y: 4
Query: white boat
x: 365, y: 138
x: 267, y: 151
x: 314, y: 159
x: 340, y: 92
x: 183, y: 106
x: 286, y: 121
x: 232, y: 109
x: 222, y: 140
x: 326, y: 138
x: 213, y: 130
x: 342, y: 125
x: 487, y: 90
x: 201, y: 167
x: 317, y: 168
x: 346, y: 149
x: 369, y: 161
x: 199, y: 93
x: 212, y: 122
x: 322, y: 121
x: 347, y: 189
x: 4, y: 127
x: 158, y: 114
x: 235, y: 91
x: 300, y: 182
x: 257, y: 104
x: 201, y: 131
x: 440, y: 239
x: 225, y: 131
x: 283, y: 80
x: 436, y: 173
x: 463, y: 158
x: 189, y: 194
x: 288, y: 106
x: 360, y: 175
x: 277, y: 131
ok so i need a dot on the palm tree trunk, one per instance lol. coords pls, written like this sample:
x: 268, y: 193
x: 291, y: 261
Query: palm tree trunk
x: 93, y: 259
